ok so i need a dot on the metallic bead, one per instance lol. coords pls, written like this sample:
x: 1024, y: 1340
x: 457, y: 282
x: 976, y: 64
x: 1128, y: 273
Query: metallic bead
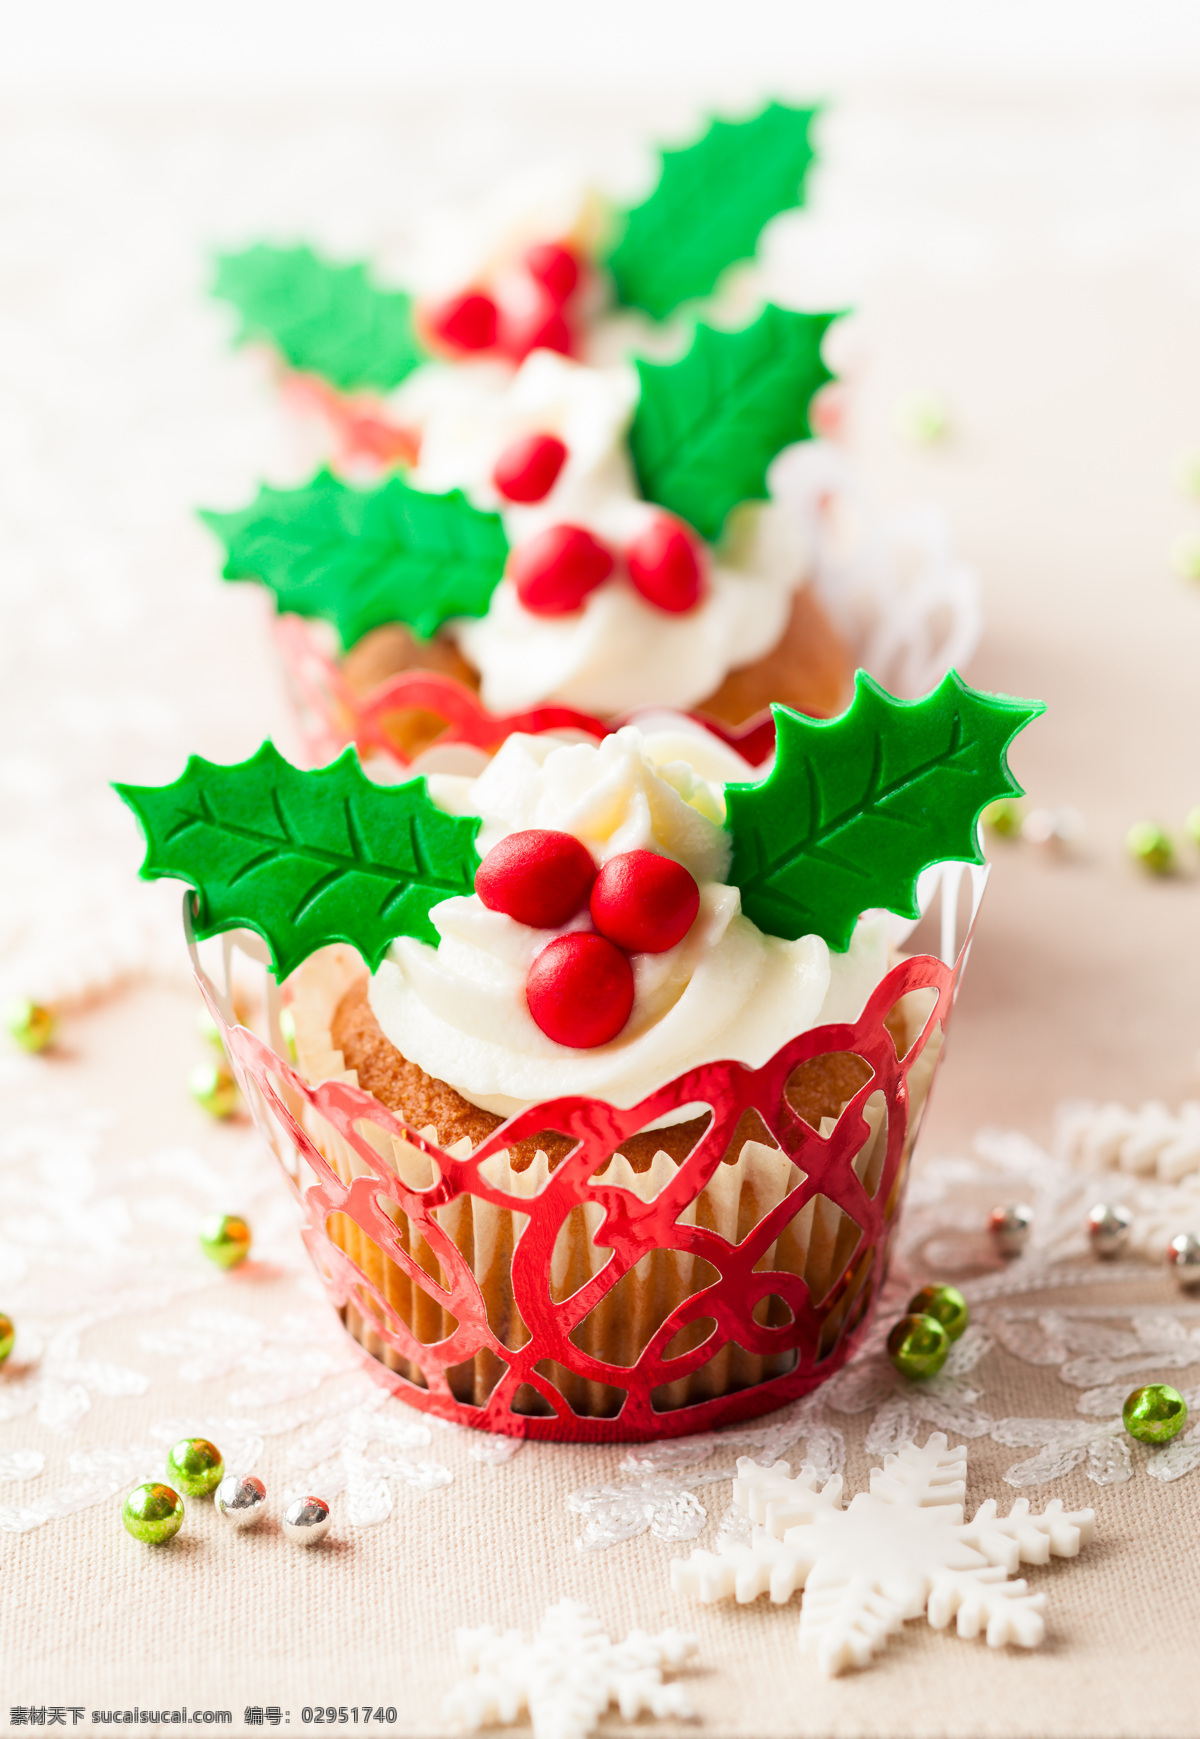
x: 921, y: 417
x: 1185, y: 471
x: 1148, y: 845
x: 1009, y: 1227
x: 1108, y: 1229
x: 240, y: 1499
x: 225, y: 1239
x: 196, y: 1466
x: 7, y: 1336
x: 1183, y: 1259
x: 918, y: 1346
x: 152, y: 1513
x: 287, y: 1031
x: 1185, y: 555
x: 1003, y: 817
x: 306, y: 1520
x: 212, y: 1086
x: 32, y: 1025
x: 1154, y: 1414
x: 945, y: 1304
x: 1052, y: 829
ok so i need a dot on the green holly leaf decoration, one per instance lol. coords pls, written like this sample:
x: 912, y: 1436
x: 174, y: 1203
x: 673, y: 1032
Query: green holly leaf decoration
x: 305, y: 858
x: 325, y: 319
x: 706, y: 427
x: 709, y: 208
x: 856, y: 807
x: 364, y: 558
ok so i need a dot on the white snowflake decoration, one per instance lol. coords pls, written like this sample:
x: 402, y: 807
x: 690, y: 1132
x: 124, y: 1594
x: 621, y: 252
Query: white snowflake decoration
x: 567, y: 1676
x: 898, y: 1550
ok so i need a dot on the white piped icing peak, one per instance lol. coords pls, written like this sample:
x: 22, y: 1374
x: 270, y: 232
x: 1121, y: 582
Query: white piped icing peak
x: 726, y: 991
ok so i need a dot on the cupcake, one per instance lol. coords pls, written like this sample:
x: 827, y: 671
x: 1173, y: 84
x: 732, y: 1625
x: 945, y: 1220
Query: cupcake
x: 568, y: 500
x: 615, y: 1037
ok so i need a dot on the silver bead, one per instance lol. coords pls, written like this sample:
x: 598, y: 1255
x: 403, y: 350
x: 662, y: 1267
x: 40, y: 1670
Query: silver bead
x: 240, y: 1499
x: 1183, y: 1259
x: 1108, y: 1229
x: 306, y: 1520
x: 1052, y: 829
x: 1009, y: 1226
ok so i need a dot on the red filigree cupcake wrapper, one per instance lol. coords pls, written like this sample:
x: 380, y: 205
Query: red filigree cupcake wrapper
x: 331, y: 715
x: 821, y: 1332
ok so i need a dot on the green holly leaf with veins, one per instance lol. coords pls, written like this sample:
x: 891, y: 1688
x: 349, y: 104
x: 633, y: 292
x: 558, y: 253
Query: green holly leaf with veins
x: 709, y: 208
x: 856, y: 807
x: 364, y: 558
x: 707, y: 427
x: 325, y: 319
x: 305, y: 858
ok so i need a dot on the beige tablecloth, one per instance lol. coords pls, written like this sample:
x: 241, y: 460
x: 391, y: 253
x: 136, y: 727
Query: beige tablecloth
x: 1031, y: 257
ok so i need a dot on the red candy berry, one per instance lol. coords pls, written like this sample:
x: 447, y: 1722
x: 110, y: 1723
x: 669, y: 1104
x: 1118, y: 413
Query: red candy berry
x: 466, y: 322
x: 664, y: 565
x: 555, y: 571
x: 580, y: 990
x: 528, y: 469
x: 539, y: 877
x: 543, y: 328
x: 555, y: 267
x: 644, y: 902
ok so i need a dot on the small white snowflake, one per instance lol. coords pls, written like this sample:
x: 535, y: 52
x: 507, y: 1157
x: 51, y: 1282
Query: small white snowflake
x: 899, y: 1549
x: 567, y: 1676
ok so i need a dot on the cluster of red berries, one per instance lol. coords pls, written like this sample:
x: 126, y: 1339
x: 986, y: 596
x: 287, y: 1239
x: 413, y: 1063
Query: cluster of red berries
x: 579, y: 988
x: 531, y: 316
x: 554, y: 572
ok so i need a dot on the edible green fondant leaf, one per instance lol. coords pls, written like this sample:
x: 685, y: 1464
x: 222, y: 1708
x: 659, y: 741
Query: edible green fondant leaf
x: 707, y: 426
x: 709, y: 208
x: 305, y: 858
x: 364, y: 558
x: 325, y: 319
x: 856, y: 807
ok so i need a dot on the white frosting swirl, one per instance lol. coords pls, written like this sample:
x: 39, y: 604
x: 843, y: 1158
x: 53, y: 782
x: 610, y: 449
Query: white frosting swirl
x: 617, y: 652
x: 726, y: 991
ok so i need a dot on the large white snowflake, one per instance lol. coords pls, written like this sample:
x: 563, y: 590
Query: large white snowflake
x: 567, y: 1676
x: 899, y: 1549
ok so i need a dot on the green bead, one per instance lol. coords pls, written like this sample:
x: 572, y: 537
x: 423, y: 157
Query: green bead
x: 1191, y: 824
x: 921, y: 417
x: 918, y: 1346
x: 1003, y: 818
x: 225, y: 1239
x: 208, y: 1029
x: 7, y: 1336
x: 196, y: 1466
x: 287, y: 1029
x: 30, y: 1024
x: 1185, y: 471
x: 945, y: 1304
x: 212, y: 1086
x: 1185, y: 555
x: 152, y: 1513
x: 1155, y: 1414
x: 1151, y: 847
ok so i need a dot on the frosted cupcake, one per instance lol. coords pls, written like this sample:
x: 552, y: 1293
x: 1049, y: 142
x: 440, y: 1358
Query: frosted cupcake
x: 561, y: 525
x: 637, y: 936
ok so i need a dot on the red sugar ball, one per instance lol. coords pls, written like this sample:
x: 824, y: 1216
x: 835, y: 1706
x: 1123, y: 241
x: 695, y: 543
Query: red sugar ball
x: 555, y: 267
x: 466, y: 322
x: 555, y: 571
x: 644, y: 902
x: 528, y: 469
x: 580, y: 990
x: 664, y: 565
x: 544, y: 327
x: 539, y: 877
